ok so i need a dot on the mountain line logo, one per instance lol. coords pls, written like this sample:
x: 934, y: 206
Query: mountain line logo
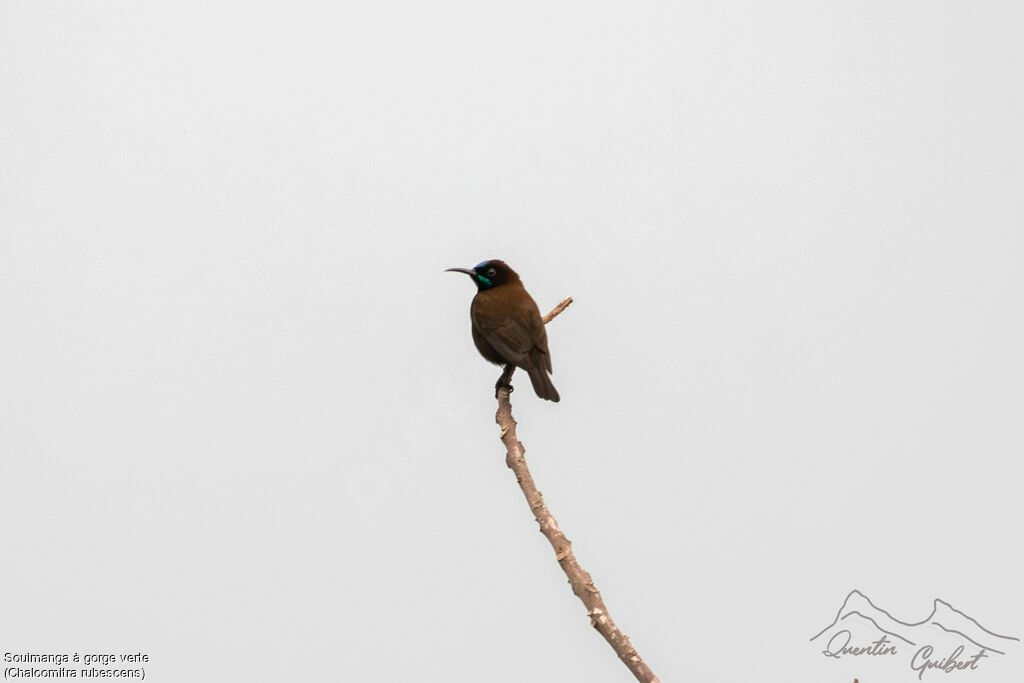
x: 947, y: 640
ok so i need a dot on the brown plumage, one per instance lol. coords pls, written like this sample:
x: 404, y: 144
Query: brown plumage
x: 507, y: 326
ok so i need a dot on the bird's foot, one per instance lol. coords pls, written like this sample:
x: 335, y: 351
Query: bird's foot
x: 505, y: 381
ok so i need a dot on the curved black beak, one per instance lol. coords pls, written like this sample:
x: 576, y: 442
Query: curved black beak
x: 467, y: 271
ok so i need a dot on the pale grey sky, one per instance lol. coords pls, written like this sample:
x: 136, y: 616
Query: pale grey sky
x: 244, y: 427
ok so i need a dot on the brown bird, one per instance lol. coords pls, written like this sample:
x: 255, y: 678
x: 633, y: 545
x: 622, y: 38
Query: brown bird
x: 507, y: 327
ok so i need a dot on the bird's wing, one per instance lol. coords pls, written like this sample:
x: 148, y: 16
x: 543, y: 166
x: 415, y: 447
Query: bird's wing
x: 515, y: 336
x: 509, y: 337
x: 538, y: 334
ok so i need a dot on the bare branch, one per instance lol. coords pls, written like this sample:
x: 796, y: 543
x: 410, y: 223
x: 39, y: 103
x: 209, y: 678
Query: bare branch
x: 562, y: 305
x: 579, y: 579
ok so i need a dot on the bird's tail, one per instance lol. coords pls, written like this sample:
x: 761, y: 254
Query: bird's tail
x: 542, y: 385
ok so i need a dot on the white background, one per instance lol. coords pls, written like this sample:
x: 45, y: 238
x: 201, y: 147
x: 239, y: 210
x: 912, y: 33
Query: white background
x: 244, y: 429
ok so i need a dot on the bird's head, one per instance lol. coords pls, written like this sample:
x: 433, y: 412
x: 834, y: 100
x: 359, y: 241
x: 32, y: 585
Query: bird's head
x: 489, y: 274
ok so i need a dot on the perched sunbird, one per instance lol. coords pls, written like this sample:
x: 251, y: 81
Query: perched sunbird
x: 507, y: 327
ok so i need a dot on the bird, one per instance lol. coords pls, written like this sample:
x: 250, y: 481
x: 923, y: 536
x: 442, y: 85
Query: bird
x: 507, y: 327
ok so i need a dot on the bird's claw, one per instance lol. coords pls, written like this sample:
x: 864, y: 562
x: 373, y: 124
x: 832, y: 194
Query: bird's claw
x: 504, y: 380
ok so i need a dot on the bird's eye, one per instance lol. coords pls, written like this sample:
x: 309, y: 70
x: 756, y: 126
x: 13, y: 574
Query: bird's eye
x: 491, y: 272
